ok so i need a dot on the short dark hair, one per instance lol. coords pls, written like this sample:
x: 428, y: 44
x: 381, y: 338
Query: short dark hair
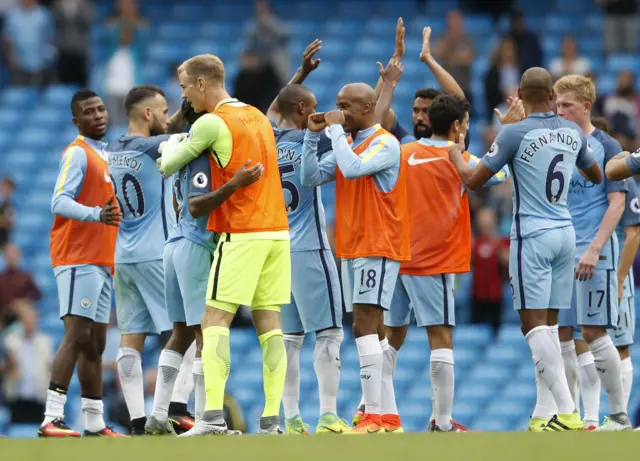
x: 140, y: 93
x: 428, y: 93
x: 445, y: 110
x: 290, y: 96
x: 80, y: 96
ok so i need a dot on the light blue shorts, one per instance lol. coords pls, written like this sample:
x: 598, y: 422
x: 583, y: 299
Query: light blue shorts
x: 624, y: 332
x: 541, y: 269
x: 429, y: 297
x: 140, y: 298
x: 85, y: 291
x: 369, y: 281
x: 186, y: 272
x: 316, y: 303
x: 597, y: 299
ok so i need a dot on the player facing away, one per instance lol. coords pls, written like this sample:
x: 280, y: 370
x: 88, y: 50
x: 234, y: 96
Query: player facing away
x: 623, y: 333
x: 83, y: 240
x: 252, y: 264
x: 371, y: 240
x: 541, y: 152
x: 187, y: 262
x: 145, y: 200
x: 596, y: 211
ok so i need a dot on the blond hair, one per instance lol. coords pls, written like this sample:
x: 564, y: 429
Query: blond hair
x: 205, y: 66
x: 583, y: 87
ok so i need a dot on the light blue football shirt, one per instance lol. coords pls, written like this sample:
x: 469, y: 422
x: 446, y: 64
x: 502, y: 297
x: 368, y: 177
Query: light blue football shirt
x: 541, y: 151
x: 144, y: 197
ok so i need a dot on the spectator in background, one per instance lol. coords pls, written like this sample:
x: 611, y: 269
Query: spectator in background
x: 569, y: 62
x: 29, y: 353
x: 256, y: 82
x: 623, y: 130
x: 268, y: 38
x: 28, y: 36
x: 73, y: 21
x: 620, y: 26
x: 455, y: 51
x: 490, y: 259
x: 7, y: 212
x: 624, y: 100
x: 529, y: 51
x: 127, y: 39
x: 503, y: 77
x: 15, y: 285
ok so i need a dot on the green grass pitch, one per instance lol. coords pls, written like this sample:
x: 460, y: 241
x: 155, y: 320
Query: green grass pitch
x: 476, y: 446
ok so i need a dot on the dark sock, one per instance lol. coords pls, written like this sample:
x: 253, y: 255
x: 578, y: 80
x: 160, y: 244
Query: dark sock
x: 138, y: 423
x: 178, y: 409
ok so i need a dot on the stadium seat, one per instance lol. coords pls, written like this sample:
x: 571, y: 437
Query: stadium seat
x: 619, y: 62
x: 18, y: 97
x: 23, y: 431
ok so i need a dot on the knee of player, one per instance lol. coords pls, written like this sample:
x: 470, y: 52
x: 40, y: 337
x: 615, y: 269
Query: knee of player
x: 440, y: 337
x: 396, y: 336
x: 591, y: 333
x: 81, y: 338
x: 565, y: 333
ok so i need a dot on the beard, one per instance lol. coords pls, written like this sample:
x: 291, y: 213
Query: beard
x: 420, y: 130
x: 156, y: 130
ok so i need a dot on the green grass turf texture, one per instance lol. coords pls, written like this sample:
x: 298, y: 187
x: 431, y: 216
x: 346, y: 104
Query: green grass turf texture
x: 476, y: 446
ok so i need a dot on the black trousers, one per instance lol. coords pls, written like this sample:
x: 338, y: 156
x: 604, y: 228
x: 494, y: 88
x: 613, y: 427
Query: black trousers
x: 26, y: 411
x: 487, y: 312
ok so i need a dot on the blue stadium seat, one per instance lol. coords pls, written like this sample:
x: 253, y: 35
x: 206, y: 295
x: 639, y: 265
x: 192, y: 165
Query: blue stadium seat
x: 219, y: 30
x: 465, y: 357
x: 306, y: 30
x: 520, y: 390
x: 494, y: 375
x: 479, y: 335
x: 318, y: 11
x: 19, y: 159
x: 58, y: 95
x: 465, y: 413
x: 420, y: 391
x: 510, y: 334
x: 10, y: 118
x: 232, y: 11
x: 166, y: 52
x: 397, y: 8
x: 478, y: 24
x: 493, y: 425
x: 473, y: 391
x: 190, y: 12
x: 442, y: 8
x: 175, y: 30
x: 504, y: 355
x: 593, y: 24
x: 351, y: 9
x: 341, y: 28
x: 19, y: 97
x: 619, y: 62
x: 23, y: 431
x: 50, y: 118
x: 526, y: 371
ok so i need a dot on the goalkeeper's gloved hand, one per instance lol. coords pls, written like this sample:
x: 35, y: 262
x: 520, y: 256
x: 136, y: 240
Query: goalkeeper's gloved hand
x: 188, y: 113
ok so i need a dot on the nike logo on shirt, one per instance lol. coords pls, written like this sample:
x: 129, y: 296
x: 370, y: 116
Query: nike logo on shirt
x: 413, y: 161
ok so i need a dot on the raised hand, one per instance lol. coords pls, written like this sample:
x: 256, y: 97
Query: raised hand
x: 316, y: 122
x: 426, y: 44
x: 398, y: 51
x: 110, y: 214
x: 393, y: 72
x: 308, y: 63
x: 514, y: 114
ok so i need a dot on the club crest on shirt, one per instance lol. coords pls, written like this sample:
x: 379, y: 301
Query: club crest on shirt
x: 493, y: 150
x: 85, y: 303
x: 635, y: 205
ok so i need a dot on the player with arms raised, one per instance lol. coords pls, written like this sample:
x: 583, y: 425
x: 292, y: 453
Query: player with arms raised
x: 596, y: 211
x: 316, y: 305
x: 252, y: 264
x: 371, y: 240
x: 541, y: 152
x: 83, y: 240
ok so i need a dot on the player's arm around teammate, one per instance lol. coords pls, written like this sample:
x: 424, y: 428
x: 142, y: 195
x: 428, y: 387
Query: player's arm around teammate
x: 82, y: 250
x: 623, y: 166
x: 251, y: 263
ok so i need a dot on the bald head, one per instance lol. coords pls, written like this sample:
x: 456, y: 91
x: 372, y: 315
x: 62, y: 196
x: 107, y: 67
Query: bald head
x: 360, y: 92
x: 536, y: 86
x: 357, y: 101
